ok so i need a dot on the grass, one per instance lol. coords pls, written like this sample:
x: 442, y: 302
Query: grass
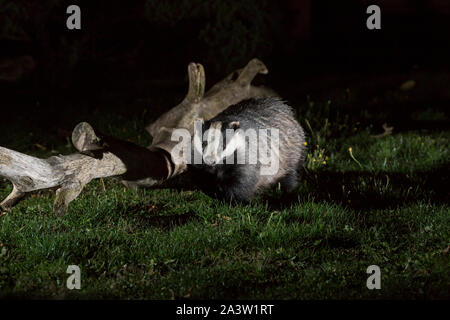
x: 386, y: 204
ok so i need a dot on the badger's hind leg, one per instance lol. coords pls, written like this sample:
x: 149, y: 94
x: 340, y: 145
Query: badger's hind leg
x: 289, y: 182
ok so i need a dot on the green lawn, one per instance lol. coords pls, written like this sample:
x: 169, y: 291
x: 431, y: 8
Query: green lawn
x: 385, y: 203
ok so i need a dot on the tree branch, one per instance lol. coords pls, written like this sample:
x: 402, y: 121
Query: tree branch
x: 103, y: 156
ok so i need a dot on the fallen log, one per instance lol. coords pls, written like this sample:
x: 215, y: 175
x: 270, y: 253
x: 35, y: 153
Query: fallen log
x: 102, y: 156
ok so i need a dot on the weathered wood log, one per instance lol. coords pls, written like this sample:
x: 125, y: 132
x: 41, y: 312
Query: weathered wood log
x: 72, y: 172
x: 69, y: 173
x: 234, y: 88
x: 102, y: 156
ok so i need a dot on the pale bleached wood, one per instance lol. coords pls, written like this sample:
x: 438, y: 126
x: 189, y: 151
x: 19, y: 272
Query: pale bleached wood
x: 68, y: 173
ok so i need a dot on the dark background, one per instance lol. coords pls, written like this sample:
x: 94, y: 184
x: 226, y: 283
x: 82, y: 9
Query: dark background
x: 361, y: 200
x: 130, y: 56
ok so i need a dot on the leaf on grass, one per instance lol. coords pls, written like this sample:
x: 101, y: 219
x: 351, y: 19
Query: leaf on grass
x: 224, y: 217
x: 408, y: 85
x: 40, y: 146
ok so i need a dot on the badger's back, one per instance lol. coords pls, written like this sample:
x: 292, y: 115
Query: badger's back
x: 258, y: 113
x: 269, y: 113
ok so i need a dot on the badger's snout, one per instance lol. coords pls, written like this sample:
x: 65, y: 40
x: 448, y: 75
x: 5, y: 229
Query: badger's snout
x: 210, y: 159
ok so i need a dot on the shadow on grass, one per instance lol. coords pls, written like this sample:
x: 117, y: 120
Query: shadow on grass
x: 382, y: 190
x: 360, y: 190
x: 148, y: 215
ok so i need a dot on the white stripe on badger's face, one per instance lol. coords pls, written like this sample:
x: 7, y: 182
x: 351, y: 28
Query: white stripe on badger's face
x: 198, y: 147
x: 212, y: 154
x: 237, y: 142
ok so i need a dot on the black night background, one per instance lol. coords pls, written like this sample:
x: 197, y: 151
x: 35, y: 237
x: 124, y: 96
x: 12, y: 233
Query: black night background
x: 374, y: 105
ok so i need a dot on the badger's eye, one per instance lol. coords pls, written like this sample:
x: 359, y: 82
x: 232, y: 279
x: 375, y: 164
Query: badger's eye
x: 234, y: 125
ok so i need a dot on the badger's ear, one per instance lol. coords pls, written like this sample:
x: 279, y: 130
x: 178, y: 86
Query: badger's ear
x: 234, y: 125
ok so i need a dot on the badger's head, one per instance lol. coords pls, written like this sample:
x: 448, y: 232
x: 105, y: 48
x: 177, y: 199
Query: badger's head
x: 220, y: 140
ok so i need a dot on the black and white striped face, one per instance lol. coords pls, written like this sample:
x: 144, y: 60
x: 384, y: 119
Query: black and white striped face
x: 221, y: 140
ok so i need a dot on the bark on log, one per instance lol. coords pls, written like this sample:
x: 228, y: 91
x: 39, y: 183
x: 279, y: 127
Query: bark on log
x: 102, y: 156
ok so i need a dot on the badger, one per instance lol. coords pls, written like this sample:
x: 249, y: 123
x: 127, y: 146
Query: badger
x: 248, y: 148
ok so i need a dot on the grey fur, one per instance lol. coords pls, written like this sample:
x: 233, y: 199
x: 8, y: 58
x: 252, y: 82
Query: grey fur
x: 243, y: 182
